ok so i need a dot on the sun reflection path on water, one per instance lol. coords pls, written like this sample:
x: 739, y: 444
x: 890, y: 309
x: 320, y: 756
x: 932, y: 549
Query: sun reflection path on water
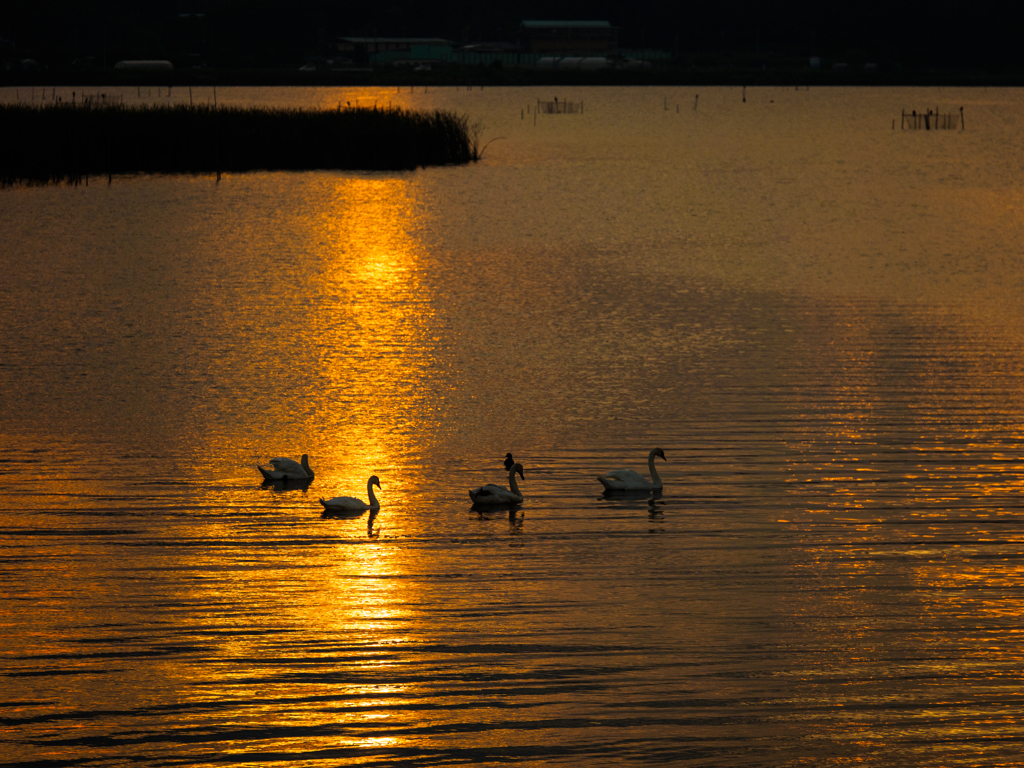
x: 370, y: 326
x: 309, y: 635
x: 361, y: 325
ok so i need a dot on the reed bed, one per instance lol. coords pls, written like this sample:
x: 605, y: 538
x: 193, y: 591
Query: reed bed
x: 66, y: 143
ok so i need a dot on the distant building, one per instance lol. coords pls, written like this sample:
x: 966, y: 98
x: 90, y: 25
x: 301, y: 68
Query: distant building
x: 146, y: 65
x: 503, y: 48
x: 574, y: 62
x: 493, y: 54
x: 569, y: 38
x: 590, y: 62
x: 395, y: 50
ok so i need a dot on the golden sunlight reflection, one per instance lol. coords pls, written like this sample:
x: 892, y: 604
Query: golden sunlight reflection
x: 359, y: 605
x: 362, y: 405
x: 359, y: 595
x: 349, y: 385
x: 370, y: 332
x: 367, y: 97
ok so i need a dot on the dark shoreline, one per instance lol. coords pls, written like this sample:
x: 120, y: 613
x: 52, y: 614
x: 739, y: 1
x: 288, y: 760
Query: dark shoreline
x: 490, y: 76
x: 69, y: 143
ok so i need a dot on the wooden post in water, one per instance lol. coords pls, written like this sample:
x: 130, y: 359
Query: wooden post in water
x: 744, y: 94
x: 190, y: 95
x: 697, y: 96
x: 961, y: 118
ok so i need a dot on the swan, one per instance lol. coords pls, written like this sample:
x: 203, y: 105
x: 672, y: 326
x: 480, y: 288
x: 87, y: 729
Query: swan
x: 350, y: 503
x: 287, y: 469
x: 509, y: 462
x: 498, y: 494
x: 628, y: 480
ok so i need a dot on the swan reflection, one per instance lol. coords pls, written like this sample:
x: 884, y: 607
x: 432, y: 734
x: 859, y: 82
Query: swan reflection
x: 487, y: 511
x: 631, y: 500
x: 514, y: 513
x: 654, y: 508
x: 342, y: 514
x: 515, y: 521
x: 287, y: 484
x: 353, y: 514
x: 635, y: 495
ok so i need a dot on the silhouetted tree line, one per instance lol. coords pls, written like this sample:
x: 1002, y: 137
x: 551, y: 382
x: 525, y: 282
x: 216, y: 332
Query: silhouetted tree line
x: 281, y: 33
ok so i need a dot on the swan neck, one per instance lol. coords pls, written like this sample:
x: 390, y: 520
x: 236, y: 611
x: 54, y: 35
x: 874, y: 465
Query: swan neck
x: 655, y: 477
x: 369, y: 492
x: 512, y: 482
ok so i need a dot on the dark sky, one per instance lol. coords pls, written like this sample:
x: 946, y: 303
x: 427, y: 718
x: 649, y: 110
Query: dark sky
x: 944, y: 33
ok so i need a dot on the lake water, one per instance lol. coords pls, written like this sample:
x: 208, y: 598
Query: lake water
x: 817, y: 316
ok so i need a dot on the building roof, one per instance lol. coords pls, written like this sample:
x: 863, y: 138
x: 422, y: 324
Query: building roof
x: 490, y: 48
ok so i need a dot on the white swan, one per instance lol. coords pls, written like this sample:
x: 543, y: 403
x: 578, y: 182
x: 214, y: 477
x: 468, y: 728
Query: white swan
x: 350, y: 503
x: 628, y: 480
x: 287, y: 469
x: 498, y: 494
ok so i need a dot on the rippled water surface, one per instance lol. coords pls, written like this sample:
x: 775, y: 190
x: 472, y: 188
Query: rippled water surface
x: 815, y: 315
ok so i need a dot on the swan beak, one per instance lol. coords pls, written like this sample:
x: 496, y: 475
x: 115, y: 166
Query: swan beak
x: 521, y: 476
x: 662, y: 454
